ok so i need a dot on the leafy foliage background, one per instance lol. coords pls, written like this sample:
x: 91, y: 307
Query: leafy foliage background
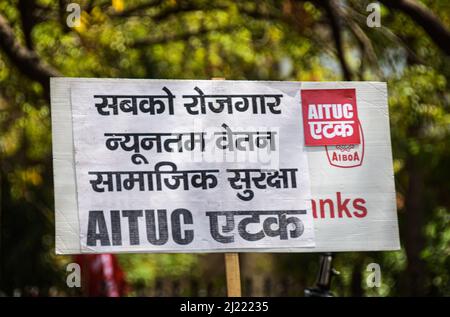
x: 257, y: 40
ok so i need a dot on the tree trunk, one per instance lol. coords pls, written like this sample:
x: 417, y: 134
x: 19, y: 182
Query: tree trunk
x: 414, y: 240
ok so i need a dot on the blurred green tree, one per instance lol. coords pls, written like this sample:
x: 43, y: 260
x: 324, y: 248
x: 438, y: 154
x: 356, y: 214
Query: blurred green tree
x: 263, y: 40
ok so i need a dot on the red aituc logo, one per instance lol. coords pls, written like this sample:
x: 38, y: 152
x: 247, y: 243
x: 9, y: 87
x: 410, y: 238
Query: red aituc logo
x: 330, y: 117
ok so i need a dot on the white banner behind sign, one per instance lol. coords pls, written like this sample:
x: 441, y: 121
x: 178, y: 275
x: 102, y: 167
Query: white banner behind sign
x: 352, y: 187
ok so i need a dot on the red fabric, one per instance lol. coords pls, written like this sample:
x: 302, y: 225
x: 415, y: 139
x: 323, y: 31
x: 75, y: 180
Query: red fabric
x: 101, y: 275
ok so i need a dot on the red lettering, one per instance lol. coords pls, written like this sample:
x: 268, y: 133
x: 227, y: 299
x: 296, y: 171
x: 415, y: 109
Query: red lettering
x: 313, y: 205
x: 358, y: 204
x: 323, y: 208
x: 345, y: 157
x: 330, y: 203
x: 342, y: 206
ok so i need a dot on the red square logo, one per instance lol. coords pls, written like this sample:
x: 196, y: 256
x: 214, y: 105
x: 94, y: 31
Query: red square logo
x: 330, y: 117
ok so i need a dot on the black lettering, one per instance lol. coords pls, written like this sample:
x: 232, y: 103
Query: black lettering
x: 163, y: 231
x: 115, y: 227
x: 133, y: 226
x: 97, y: 217
x: 176, y: 226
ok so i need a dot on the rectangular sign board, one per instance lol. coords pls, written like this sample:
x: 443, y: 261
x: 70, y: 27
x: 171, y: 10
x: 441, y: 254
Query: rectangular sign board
x: 219, y: 166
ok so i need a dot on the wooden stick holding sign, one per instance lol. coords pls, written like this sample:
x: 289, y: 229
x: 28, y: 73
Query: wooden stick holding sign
x: 232, y: 269
x: 233, y: 274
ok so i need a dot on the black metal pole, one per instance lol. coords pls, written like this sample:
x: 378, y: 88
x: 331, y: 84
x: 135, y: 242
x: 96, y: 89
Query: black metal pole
x: 324, y: 276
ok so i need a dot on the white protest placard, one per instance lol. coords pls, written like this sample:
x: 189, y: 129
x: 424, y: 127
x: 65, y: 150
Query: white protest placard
x: 190, y: 165
x: 216, y: 166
